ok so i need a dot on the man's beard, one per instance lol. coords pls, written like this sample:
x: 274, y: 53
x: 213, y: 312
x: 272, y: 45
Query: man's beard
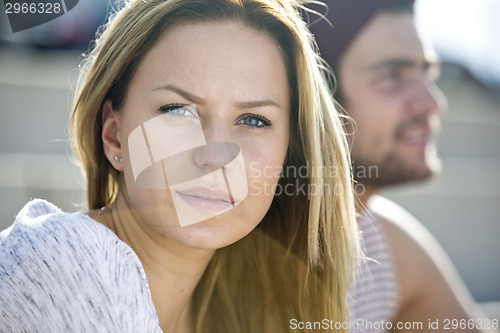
x: 393, y: 170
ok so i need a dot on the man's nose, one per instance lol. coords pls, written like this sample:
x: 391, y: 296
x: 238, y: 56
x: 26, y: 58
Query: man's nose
x: 428, y: 98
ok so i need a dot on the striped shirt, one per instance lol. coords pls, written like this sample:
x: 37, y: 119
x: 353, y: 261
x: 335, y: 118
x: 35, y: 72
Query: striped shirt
x: 374, y: 300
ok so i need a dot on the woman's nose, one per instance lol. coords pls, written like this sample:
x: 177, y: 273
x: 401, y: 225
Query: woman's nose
x: 217, y: 152
x: 215, y: 155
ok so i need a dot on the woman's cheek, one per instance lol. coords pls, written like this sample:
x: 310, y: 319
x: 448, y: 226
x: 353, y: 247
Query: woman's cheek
x: 263, y: 172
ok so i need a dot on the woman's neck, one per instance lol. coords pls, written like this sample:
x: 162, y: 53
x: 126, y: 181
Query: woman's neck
x: 172, y: 269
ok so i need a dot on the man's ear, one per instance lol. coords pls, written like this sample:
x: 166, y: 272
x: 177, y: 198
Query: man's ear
x: 109, y: 135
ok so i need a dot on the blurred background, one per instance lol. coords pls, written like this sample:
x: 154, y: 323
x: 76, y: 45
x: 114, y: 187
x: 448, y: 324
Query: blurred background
x: 461, y: 207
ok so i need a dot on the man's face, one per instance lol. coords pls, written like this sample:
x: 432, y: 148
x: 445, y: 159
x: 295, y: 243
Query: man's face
x: 386, y: 82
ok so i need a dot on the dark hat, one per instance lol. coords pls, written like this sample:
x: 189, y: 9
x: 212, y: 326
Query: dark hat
x: 348, y: 17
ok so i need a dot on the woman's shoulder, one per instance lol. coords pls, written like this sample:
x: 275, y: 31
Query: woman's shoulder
x: 43, y: 235
x: 67, y: 267
x: 42, y: 221
x: 41, y: 230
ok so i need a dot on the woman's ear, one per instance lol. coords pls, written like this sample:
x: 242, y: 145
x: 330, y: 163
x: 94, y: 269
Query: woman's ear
x: 109, y: 135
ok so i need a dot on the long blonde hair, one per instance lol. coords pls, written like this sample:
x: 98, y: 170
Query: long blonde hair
x: 298, y: 263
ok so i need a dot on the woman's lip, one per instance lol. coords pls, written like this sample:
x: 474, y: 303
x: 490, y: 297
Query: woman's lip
x: 205, y: 204
x: 206, y: 193
x: 206, y: 199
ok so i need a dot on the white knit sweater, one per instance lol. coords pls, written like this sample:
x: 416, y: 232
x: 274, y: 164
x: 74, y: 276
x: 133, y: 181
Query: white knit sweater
x: 63, y: 272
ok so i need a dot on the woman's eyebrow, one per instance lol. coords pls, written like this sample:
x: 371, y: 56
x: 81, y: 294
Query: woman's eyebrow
x: 256, y: 104
x: 190, y: 97
x: 200, y: 100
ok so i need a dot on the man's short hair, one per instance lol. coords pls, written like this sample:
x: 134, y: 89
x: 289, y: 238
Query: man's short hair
x: 344, y: 20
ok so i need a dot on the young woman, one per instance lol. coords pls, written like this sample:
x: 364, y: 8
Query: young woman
x: 194, y: 123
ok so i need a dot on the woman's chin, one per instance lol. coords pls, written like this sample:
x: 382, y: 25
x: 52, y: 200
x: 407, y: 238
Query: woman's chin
x: 210, y: 234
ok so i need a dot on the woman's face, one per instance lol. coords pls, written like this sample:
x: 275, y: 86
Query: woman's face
x: 204, y: 127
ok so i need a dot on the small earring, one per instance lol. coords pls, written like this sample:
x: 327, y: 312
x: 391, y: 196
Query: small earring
x: 119, y: 159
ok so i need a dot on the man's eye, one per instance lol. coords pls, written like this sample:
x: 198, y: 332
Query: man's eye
x: 433, y: 73
x: 393, y: 79
x: 254, y: 121
x: 179, y: 110
x: 391, y: 75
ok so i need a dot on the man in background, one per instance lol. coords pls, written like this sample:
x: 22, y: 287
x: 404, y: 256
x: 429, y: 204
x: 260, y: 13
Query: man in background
x: 385, y: 81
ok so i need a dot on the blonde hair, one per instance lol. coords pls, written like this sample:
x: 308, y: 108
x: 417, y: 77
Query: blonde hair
x: 299, y: 262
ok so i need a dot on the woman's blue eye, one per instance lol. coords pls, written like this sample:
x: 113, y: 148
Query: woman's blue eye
x: 254, y: 121
x: 179, y: 110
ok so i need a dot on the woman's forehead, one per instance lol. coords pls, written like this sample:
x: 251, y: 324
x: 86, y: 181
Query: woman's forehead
x: 207, y: 58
